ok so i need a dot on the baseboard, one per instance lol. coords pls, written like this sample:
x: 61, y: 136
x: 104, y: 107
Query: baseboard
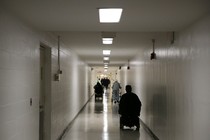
x: 149, y: 131
x: 70, y: 124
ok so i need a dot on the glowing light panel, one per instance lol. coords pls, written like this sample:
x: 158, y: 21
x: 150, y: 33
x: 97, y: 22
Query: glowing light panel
x: 106, y: 52
x: 110, y: 15
x: 107, y: 40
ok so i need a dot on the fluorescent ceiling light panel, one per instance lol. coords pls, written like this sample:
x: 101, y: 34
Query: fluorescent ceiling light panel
x: 106, y: 58
x: 107, y: 40
x: 106, y: 52
x: 106, y: 63
x: 110, y: 15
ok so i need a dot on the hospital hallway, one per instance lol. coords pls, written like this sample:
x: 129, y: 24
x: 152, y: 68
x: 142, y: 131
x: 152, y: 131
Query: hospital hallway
x: 54, y: 52
x: 99, y: 120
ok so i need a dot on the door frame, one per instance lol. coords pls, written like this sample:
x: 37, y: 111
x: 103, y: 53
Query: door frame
x: 47, y: 90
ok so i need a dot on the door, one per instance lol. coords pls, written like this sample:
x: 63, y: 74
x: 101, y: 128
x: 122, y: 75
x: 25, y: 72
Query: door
x: 42, y: 93
x: 45, y: 93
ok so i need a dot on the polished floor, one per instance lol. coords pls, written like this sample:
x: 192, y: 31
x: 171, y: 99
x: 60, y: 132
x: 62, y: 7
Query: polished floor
x: 99, y: 120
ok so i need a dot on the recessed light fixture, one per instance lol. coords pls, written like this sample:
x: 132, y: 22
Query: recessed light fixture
x: 107, y: 40
x: 106, y: 52
x: 106, y: 63
x: 106, y: 58
x: 110, y: 15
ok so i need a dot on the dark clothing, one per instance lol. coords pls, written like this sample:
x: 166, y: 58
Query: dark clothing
x: 130, y: 105
x: 98, y: 88
x: 105, y: 82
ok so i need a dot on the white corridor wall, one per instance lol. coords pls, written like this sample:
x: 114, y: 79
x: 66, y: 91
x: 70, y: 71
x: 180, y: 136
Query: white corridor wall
x: 174, y: 88
x: 20, y: 81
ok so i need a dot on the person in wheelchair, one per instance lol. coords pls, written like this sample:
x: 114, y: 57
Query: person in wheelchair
x: 129, y: 109
x: 98, y: 90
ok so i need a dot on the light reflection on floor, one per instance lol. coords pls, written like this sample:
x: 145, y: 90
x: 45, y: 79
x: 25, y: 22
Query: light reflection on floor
x: 100, y: 121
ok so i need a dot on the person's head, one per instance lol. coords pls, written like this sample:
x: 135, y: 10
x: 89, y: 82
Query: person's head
x: 128, y: 88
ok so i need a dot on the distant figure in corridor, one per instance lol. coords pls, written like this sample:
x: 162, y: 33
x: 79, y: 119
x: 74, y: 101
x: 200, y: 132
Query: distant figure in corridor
x: 115, y: 91
x: 98, y: 90
x: 105, y: 82
x: 129, y: 109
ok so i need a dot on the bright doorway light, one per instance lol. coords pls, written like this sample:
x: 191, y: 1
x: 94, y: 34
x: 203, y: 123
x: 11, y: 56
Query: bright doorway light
x: 105, y: 67
x: 106, y: 63
x: 110, y: 15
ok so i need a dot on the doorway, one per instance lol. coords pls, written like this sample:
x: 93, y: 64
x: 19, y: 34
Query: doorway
x: 45, y: 93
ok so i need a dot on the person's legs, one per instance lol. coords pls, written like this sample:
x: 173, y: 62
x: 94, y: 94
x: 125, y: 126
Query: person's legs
x: 114, y: 95
x: 117, y: 96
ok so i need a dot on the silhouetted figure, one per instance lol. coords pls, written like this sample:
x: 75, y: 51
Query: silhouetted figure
x: 105, y: 82
x: 98, y: 90
x: 129, y: 109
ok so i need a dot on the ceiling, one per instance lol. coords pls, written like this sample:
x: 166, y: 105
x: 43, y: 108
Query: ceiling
x: 77, y: 22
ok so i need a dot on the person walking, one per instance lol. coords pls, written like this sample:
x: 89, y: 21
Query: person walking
x: 115, y: 91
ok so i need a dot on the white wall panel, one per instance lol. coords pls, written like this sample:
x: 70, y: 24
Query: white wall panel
x: 174, y: 89
x: 19, y: 72
x: 19, y: 80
